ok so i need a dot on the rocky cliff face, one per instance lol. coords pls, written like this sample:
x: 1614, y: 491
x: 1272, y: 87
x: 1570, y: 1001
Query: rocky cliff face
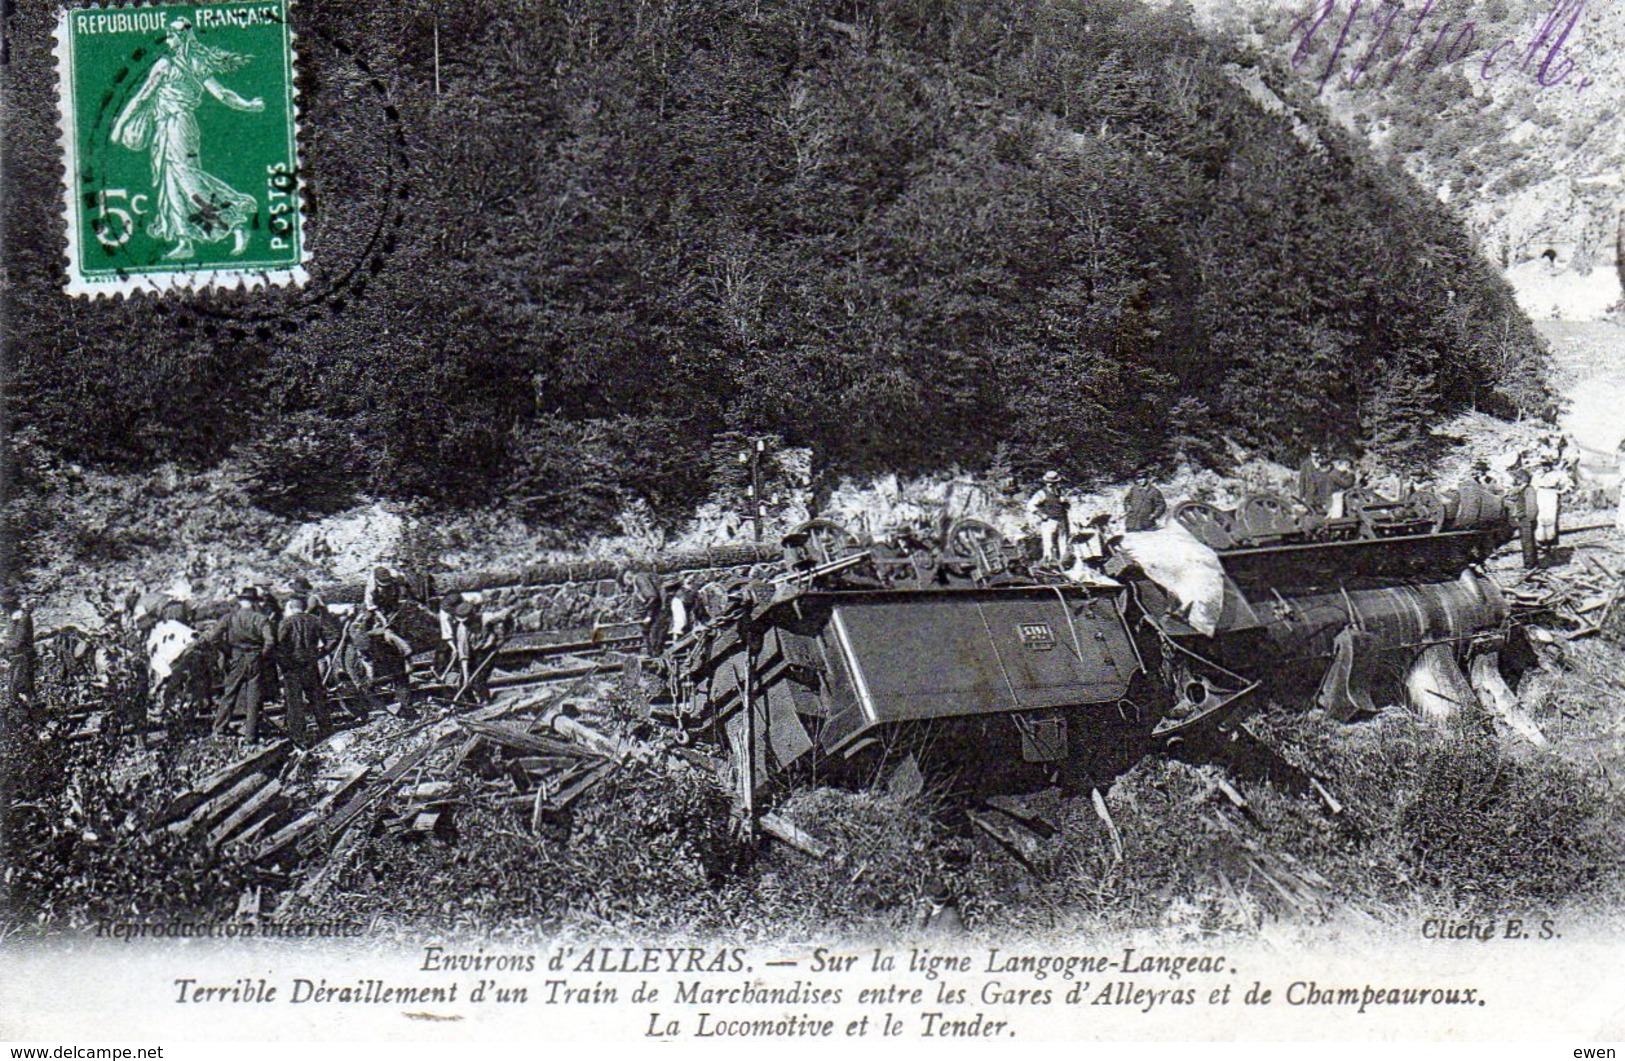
x: 1512, y: 111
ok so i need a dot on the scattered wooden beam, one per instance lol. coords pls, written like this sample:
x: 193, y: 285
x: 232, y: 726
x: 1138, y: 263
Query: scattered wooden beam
x: 260, y: 762
x: 247, y: 810
x: 1013, y: 838
x: 567, y: 795
x: 557, y: 674
x: 1232, y: 794
x: 785, y: 832
x: 545, y: 764
x: 250, y: 834
x: 316, y: 886
x: 696, y: 758
x: 218, y: 805
x: 566, y: 726
x: 287, y: 835
x: 358, y: 805
x: 1332, y: 803
x: 516, y: 737
x: 1105, y: 816
x: 1014, y: 808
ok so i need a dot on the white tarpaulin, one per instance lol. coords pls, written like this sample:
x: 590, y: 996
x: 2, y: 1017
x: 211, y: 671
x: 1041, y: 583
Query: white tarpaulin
x: 1176, y: 560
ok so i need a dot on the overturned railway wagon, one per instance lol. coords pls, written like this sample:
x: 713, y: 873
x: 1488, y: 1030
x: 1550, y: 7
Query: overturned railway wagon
x: 953, y: 648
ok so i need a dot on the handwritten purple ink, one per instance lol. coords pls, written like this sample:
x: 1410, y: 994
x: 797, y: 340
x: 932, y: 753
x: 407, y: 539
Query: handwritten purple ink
x: 1545, y: 50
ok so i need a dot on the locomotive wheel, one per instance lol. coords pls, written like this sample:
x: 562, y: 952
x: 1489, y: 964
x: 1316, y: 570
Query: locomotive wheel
x: 1427, y: 505
x: 1354, y: 504
x: 826, y: 539
x: 1212, y: 526
x: 973, y: 540
x: 1266, y: 516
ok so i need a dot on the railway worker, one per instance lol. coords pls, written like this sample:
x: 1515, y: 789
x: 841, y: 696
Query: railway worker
x: 472, y: 642
x: 1522, y: 505
x: 1314, y: 483
x: 383, y: 594
x: 1144, y: 506
x: 388, y: 654
x: 1548, y: 482
x: 271, y: 608
x: 445, y: 654
x: 301, y: 642
x: 1472, y: 497
x: 1048, y: 509
x: 316, y: 607
x: 20, y: 715
x: 1339, y: 481
x: 656, y: 617
x: 249, y: 643
x: 679, y: 604
x: 181, y: 607
x: 21, y: 657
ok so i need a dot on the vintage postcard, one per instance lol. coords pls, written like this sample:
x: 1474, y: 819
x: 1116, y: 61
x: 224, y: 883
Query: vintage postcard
x: 785, y: 520
x: 180, y: 147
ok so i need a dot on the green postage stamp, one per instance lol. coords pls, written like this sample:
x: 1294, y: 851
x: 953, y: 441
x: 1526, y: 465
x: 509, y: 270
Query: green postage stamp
x: 180, y: 144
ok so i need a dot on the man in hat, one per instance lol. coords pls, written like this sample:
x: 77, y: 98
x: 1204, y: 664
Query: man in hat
x: 472, y: 641
x: 1314, y: 483
x: 1048, y: 509
x: 300, y: 587
x: 383, y: 594
x: 446, y: 618
x: 1144, y: 506
x: 1548, y: 482
x: 1478, y: 499
x: 1522, y: 506
x: 249, y: 642
x: 388, y: 656
x: 301, y: 643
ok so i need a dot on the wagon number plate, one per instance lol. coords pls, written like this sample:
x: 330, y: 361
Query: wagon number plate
x: 1036, y: 636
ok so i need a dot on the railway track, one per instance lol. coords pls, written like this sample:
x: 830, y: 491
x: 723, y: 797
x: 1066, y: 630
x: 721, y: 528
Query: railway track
x: 538, y: 658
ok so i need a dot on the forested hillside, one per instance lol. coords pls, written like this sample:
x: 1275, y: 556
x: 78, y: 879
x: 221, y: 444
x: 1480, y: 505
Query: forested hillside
x: 1511, y: 110
x: 560, y: 247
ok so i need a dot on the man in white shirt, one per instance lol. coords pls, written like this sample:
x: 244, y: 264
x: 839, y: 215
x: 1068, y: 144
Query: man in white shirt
x: 1048, y: 511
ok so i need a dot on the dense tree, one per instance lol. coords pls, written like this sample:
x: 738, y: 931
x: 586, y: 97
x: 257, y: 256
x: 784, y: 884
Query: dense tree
x: 904, y: 233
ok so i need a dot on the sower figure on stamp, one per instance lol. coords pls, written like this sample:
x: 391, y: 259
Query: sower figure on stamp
x: 249, y: 642
x: 1050, y: 510
x: 191, y: 205
x: 301, y: 643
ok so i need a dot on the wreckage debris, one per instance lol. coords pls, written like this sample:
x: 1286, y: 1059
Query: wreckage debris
x: 778, y: 679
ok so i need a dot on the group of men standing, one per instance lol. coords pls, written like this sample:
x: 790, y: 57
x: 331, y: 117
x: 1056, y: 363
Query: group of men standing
x: 269, y: 644
x: 1143, y: 509
x: 1533, y: 500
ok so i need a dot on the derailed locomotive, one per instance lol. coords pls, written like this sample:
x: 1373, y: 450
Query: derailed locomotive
x: 954, y: 648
